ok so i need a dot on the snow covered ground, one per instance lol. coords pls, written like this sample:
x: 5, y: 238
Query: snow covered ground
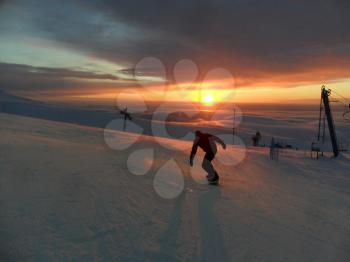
x: 66, y: 196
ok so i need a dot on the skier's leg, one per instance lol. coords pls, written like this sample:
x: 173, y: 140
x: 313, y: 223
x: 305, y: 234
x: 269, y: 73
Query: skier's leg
x: 216, y: 175
x: 208, y: 166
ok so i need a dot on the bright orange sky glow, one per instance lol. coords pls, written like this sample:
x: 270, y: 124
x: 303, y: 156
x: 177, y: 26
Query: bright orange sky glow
x: 208, y: 93
x: 209, y: 96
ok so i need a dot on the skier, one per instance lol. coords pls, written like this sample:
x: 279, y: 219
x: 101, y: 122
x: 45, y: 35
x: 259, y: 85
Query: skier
x: 256, y: 139
x: 273, y: 150
x: 207, y: 143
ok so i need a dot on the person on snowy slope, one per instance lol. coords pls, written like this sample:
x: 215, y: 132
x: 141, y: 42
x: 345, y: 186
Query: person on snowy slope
x: 207, y: 143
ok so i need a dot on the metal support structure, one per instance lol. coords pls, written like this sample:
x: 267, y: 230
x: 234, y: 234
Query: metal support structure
x: 325, y: 93
x: 126, y: 115
x: 320, y: 120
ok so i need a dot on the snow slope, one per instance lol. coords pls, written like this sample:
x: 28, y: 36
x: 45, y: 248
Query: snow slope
x: 65, y: 195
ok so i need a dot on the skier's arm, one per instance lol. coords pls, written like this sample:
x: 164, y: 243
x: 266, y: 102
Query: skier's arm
x: 219, y: 140
x: 194, y: 150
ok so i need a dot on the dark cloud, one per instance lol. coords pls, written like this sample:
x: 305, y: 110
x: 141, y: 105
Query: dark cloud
x: 253, y: 27
x: 16, y: 77
x: 255, y: 39
x: 14, y: 70
x: 240, y: 34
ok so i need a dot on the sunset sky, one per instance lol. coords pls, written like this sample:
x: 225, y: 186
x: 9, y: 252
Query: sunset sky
x: 276, y: 50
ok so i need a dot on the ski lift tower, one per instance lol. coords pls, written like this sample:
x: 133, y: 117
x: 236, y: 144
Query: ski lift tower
x: 325, y: 103
x: 126, y: 115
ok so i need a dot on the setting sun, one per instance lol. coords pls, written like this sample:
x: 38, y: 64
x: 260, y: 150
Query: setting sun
x: 208, y: 100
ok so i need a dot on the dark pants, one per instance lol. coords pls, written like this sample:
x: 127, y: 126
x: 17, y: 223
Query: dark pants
x: 208, y: 166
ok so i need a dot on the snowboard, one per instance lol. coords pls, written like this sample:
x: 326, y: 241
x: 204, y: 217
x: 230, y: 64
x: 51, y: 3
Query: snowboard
x: 214, y: 183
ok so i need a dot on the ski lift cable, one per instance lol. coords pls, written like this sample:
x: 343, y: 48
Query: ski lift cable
x: 345, y: 101
x: 339, y: 101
